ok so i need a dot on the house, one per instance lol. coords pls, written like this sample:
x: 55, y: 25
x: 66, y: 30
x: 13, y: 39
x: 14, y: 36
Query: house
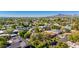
x: 16, y: 42
x: 7, y: 26
x: 52, y: 33
x: 13, y: 35
x: 56, y: 24
x: 4, y: 35
x: 63, y: 38
x: 1, y: 31
x: 43, y: 27
x: 57, y: 31
x: 67, y: 27
x: 15, y: 31
x: 14, y: 45
x: 10, y: 41
x: 15, y: 39
x: 19, y: 27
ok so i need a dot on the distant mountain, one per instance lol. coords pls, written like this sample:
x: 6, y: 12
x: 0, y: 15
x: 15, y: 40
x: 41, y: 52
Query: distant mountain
x: 62, y: 15
x: 58, y: 15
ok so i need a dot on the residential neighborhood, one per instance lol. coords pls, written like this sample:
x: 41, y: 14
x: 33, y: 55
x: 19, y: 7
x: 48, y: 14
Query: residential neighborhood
x: 58, y: 31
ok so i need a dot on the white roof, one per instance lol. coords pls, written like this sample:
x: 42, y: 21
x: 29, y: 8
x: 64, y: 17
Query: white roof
x: 15, y: 30
x: 4, y: 35
x: 10, y: 41
x: 1, y: 31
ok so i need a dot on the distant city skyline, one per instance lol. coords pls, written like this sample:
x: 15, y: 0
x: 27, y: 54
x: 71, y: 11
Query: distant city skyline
x: 35, y: 13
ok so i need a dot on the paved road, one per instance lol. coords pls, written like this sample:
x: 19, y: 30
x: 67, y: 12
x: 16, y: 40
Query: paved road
x: 17, y: 42
x: 72, y: 45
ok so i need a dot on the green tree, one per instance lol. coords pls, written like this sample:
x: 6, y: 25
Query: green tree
x: 3, y: 42
x: 1, y: 26
x: 74, y: 37
x: 22, y: 33
x: 27, y: 34
x: 61, y: 45
x: 36, y: 29
x: 36, y: 40
x: 9, y: 30
x: 14, y: 26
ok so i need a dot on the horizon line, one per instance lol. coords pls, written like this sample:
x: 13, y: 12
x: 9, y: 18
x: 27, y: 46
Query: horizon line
x: 35, y: 13
x: 45, y: 15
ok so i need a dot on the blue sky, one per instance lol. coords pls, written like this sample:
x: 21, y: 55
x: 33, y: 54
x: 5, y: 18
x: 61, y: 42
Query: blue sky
x: 34, y: 13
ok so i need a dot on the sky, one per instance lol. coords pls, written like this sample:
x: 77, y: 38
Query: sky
x: 34, y: 13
